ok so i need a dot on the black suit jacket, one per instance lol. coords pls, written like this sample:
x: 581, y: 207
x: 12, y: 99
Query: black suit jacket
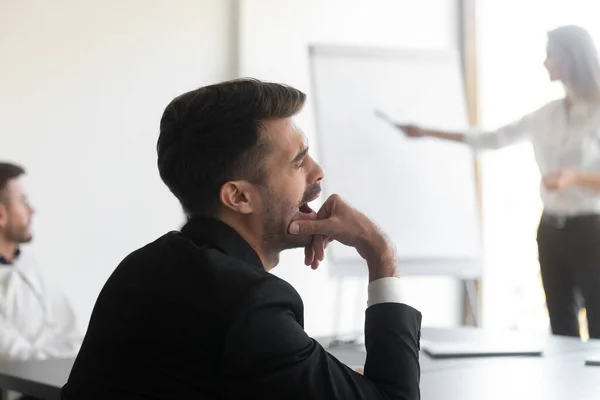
x: 194, y: 315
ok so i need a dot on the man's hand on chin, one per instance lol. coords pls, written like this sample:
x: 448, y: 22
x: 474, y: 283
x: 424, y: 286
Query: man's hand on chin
x: 314, y: 252
x: 337, y: 220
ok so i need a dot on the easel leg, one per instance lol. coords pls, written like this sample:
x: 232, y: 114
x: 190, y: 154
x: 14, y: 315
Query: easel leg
x: 471, y: 316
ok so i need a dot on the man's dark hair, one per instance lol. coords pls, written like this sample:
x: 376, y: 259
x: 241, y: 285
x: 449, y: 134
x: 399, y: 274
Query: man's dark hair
x: 213, y: 135
x: 8, y: 171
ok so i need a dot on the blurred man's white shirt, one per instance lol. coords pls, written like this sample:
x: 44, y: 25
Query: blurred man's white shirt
x: 36, y: 320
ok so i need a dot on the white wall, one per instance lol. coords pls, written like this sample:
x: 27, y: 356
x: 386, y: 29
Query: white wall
x: 334, y: 305
x: 82, y: 89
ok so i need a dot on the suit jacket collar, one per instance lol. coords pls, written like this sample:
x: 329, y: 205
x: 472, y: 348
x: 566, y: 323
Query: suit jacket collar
x: 202, y: 230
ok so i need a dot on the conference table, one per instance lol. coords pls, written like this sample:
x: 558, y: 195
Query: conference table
x: 560, y: 374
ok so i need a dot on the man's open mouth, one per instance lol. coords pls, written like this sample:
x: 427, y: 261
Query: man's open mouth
x: 305, y: 209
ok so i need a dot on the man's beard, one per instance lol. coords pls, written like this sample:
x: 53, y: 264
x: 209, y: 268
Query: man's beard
x: 275, y: 221
x: 18, y: 235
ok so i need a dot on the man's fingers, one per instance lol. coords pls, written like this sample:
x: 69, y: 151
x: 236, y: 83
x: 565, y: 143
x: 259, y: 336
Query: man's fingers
x: 305, y: 227
x: 318, y: 247
x: 309, y: 254
x: 315, y: 264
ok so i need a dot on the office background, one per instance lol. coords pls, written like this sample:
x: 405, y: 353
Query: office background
x: 83, y: 86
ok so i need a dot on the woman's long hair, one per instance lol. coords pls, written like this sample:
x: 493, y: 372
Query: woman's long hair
x: 580, y: 56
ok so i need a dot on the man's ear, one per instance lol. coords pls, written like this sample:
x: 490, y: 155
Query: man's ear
x: 239, y: 196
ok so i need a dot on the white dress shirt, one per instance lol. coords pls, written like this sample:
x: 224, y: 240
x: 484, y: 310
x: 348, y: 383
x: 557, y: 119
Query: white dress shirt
x: 561, y: 139
x: 36, y: 321
x: 384, y: 290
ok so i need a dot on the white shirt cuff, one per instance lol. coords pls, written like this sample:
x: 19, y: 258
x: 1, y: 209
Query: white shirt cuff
x: 384, y: 290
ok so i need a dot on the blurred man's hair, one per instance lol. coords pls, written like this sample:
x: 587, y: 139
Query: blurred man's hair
x: 8, y: 171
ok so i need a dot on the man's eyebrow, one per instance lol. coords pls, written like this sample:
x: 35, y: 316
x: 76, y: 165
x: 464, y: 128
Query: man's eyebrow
x: 301, y: 155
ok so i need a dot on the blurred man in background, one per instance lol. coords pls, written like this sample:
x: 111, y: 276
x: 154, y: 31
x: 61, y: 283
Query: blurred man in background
x: 36, y: 321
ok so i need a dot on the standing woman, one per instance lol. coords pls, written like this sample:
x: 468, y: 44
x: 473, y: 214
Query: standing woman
x: 565, y: 134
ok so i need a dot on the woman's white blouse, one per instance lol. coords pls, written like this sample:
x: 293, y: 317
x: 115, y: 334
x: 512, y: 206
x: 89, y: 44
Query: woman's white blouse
x: 562, y: 139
